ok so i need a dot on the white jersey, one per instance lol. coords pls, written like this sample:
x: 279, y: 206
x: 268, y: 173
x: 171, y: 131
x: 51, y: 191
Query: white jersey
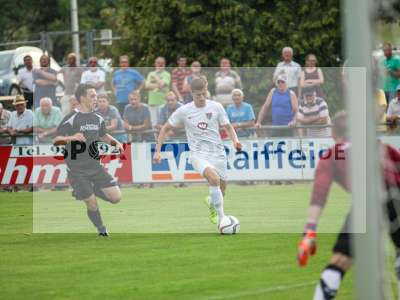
x: 202, y: 127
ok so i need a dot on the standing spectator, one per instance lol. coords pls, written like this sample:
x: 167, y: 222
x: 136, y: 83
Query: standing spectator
x: 25, y: 79
x: 393, y: 112
x: 45, y: 82
x: 72, y: 77
x: 94, y: 76
x: 312, y: 76
x: 284, y: 107
x: 241, y: 114
x: 21, y: 122
x: 178, y: 77
x: 137, y: 118
x: 391, y: 72
x: 195, y: 72
x: 111, y: 117
x: 313, y: 110
x: 125, y: 80
x: 225, y: 81
x: 46, y: 119
x: 171, y: 105
x: 4, y: 118
x: 157, y: 83
x: 289, y: 68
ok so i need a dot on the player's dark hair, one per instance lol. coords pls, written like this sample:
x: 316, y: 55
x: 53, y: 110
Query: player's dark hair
x: 81, y: 90
x: 339, y: 122
x: 198, y: 84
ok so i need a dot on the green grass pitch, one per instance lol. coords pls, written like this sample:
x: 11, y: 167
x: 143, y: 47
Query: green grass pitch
x: 193, y: 263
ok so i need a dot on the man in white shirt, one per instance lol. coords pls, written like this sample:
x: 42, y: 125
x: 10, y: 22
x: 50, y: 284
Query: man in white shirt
x: 289, y: 68
x: 94, y: 76
x: 25, y: 80
x: 202, y: 120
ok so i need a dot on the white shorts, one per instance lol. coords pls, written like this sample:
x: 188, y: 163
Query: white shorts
x: 201, y: 163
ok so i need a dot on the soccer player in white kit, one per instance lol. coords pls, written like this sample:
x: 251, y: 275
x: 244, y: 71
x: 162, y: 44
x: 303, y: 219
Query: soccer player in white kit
x: 202, y: 120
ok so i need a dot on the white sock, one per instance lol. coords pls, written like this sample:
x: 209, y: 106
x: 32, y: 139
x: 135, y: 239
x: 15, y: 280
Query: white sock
x: 217, y: 200
x: 329, y: 283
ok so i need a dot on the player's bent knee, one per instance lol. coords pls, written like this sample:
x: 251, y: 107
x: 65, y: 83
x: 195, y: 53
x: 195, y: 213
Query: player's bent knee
x: 342, y: 261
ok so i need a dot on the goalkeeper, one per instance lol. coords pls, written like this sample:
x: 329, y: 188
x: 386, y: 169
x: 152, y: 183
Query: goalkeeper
x: 333, y: 168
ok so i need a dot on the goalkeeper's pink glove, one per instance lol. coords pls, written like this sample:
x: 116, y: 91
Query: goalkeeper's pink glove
x: 307, y: 246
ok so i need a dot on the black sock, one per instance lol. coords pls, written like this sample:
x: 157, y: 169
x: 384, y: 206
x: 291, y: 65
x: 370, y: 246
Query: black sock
x: 95, y: 217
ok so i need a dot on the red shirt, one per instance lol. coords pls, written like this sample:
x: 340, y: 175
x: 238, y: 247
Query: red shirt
x: 332, y: 167
x: 178, y: 76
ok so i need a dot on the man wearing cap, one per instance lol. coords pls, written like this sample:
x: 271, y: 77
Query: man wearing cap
x: 393, y: 112
x: 4, y: 117
x: 313, y: 110
x: 284, y: 108
x: 21, y: 122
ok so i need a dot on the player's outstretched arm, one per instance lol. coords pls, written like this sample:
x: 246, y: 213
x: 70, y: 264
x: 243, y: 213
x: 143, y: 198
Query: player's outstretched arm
x: 160, y: 141
x: 233, y: 136
x: 63, y: 140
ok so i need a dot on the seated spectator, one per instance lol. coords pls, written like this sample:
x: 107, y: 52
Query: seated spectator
x: 288, y: 68
x: 284, y: 107
x: 21, y: 122
x: 241, y: 114
x: 225, y: 81
x: 137, y: 119
x: 171, y: 105
x: 157, y: 83
x: 94, y: 76
x: 4, y: 117
x: 381, y: 106
x: 72, y: 77
x: 393, y: 112
x: 111, y: 117
x: 124, y: 81
x: 195, y: 73
x: 312, y: 76
x: 178, y: 77
x: 46, y: 119
x: 314, y: 111
x: 45, y: 82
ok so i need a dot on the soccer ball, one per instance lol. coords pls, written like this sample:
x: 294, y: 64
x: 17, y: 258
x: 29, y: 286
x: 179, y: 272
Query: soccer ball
x: 229, y: 225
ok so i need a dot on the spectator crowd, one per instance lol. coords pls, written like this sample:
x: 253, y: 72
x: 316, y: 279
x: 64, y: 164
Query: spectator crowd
x: 296, y: 103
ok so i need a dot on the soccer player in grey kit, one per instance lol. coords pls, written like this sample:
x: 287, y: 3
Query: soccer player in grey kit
x: 80, y: 131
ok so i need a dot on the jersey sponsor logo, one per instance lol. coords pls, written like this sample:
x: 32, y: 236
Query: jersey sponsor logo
x: 209, y: 115
x: 89, y: 127
x: 202, y: 125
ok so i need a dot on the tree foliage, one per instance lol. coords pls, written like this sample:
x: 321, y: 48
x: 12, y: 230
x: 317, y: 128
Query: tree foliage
x: 250, y: 33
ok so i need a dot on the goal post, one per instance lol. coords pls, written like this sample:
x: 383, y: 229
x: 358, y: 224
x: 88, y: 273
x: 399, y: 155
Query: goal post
x: 365, y: 175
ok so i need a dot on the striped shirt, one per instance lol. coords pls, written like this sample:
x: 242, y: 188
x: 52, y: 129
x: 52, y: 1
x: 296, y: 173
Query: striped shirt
x: 319, y: 108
